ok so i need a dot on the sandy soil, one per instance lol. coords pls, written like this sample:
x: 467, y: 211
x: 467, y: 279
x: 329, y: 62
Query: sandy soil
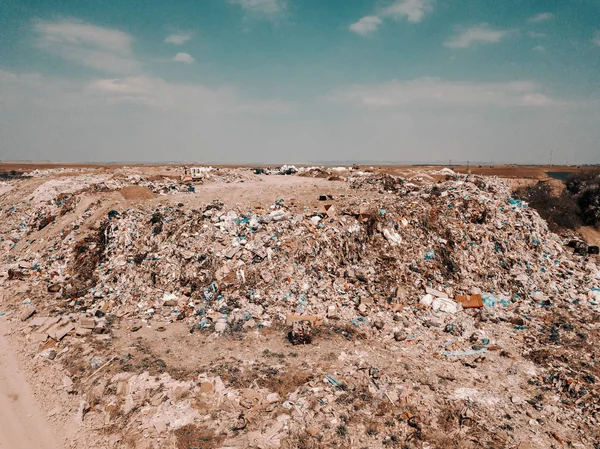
x: 22, y: 425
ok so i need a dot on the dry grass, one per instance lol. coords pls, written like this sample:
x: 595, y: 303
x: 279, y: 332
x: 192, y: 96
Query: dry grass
x: 193, y: 437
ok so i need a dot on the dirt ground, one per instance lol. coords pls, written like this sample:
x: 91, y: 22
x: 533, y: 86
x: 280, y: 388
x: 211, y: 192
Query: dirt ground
x: 22, y: 424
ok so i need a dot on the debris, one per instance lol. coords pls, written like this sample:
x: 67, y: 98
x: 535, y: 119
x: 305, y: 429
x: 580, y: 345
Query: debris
x: 465, y: 353
x: 312, y: 319
x: 300, y: 333
x: 470, y: 302
x: 379, y: 276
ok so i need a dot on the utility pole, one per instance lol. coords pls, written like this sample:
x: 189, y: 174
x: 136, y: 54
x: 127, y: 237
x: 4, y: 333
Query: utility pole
x: 551, y: 157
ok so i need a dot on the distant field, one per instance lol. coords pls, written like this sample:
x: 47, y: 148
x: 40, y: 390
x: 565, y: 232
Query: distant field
x: 503, y: 171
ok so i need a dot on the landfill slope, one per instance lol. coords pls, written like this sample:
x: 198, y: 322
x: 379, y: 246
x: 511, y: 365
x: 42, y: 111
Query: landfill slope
x: 298, y: 307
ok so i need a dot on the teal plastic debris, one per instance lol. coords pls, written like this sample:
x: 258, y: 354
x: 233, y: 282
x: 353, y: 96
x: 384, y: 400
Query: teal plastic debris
x: 357, y: 322
x: 333, y: 381
x: 517, y: 203
x: 490, y: 301
x: 203, y: 323
x: 429, y: 254
x: 520, y: 327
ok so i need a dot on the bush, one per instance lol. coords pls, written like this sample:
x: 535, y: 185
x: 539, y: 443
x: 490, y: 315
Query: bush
x: 585, y: 188
x: 560, y: 211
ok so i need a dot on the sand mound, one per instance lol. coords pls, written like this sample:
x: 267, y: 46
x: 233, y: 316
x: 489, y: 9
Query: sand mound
x: 136, y: 193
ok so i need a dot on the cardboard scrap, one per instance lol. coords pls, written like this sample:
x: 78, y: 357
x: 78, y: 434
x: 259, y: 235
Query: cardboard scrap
x: 470, y: 302
x: 291, y: 319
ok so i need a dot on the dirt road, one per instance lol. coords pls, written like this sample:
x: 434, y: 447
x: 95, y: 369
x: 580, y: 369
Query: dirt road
x: 22, y: 424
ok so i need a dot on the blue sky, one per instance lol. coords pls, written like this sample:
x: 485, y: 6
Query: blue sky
x: 300, y: 80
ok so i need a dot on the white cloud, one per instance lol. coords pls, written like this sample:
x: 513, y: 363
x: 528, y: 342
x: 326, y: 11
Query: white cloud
x: 542, y: 17
x: 178, y: 38
x: 411, y: 10
x: 270, y: 8
x: 596, y: 39
x: 477, y: 34
x: 183, y: 57
x: 89, y: 45
x: 539, y: 48
x: 366, y: 25
x: 434, y: 91
x: 536, y: 35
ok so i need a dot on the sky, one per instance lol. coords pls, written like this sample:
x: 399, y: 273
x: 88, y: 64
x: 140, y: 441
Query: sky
x: 284, y: 81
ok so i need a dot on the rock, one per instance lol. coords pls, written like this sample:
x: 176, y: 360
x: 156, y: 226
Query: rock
x: 378, y: 324
x: 67, y: 384
x: 220, y: 325
x: 87, y: 323
x: 517, y: 320
x: 312, y: 431
x: 427, y: 300
x: 273, y: 397
x: 49, y: 353
x: 97, y: 361
x: 400, y: 335
x: 250, y: 324
x: 27, y: 313
x: 54, y: 288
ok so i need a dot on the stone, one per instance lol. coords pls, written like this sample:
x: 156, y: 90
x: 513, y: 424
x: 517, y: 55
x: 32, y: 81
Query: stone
x: 220, y: 325
x: 400, y: 335
x: 87, y: 323
x: 27, y: 313
x: 250, y: 324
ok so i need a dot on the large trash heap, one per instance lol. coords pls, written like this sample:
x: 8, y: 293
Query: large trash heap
x: 460, y: 320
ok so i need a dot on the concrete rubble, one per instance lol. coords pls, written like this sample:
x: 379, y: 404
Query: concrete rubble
x: 407, y: 312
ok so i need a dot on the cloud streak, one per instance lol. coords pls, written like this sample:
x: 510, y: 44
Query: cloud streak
x: 178, y: 38
x: 542, y: 17
x: 434, y: 91
x: 536, y: 35
x: 82, y: 43
x: 476, y: 34
x: 265, y: 8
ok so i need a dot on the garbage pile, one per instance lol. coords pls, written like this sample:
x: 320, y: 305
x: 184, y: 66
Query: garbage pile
x: 420, y: 284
